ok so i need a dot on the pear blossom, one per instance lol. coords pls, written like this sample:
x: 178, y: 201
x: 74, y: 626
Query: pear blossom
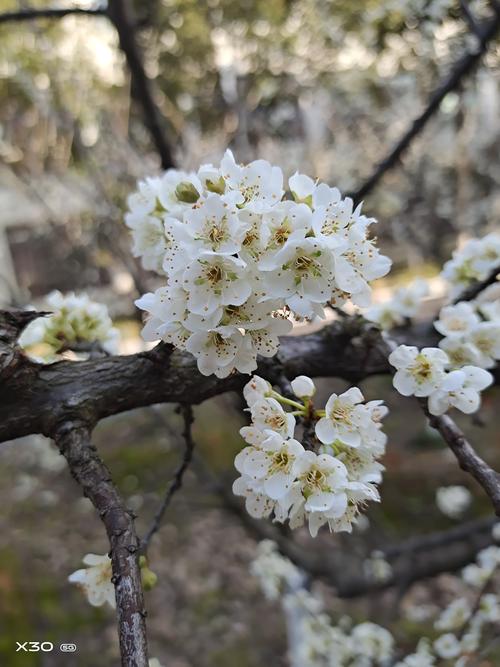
x: 406, y: 300
x: 75, y: 320
x: 95, y: 580
x: 257, y: 185
x: 216, y: 351
x: 267, y: 413
x: 453, y: 500
x: 460, y: 389
x: 485, y: 337
x: 275, y: 462
x: 447, y: 646
x: 343, y: 419
x: 460, y: 352
x: 473, y: 262
x: 215, y: 227
x: 301, y: 273
x: 246, y: 257
x: 418, y: 372
x: 256, y: 389
x: 454, y: 616
x: 279, y: 476
x: 214, y: 280
x: 458, y: 319
x: 404, y: 303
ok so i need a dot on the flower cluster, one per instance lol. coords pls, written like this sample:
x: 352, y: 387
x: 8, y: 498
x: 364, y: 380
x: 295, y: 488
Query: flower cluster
x: 316, y: 641
x: 403, y: 304
x: 75, y: 321
x: 282, y: 477
x: 424, y: 373
x: 472, y: 263
x: 240, y: 260
x: 462, y: 627
x: 471, y: 332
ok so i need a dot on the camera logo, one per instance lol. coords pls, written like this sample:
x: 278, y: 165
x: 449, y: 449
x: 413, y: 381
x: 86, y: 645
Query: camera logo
x: 46, y: 647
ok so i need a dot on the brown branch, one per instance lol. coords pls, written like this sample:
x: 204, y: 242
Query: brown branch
x: 12, y: 324
x: 467, y: 457
x: 485, y: 33
x: 73, y: 439
x: 412, y: 560
x: 50, y: 13
x: 476, y: 288
x: 37, y: 397
x: 120, y: 13
x: 176, y: 483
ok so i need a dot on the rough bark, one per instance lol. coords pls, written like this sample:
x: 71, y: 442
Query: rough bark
x: 73, y: 439
x: 38, y: 397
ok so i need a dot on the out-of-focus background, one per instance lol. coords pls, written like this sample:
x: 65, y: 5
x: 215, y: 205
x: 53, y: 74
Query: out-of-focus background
x: 323, y: 87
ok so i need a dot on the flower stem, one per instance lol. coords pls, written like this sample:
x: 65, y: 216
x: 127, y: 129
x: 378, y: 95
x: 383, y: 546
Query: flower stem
x: 288, y: 401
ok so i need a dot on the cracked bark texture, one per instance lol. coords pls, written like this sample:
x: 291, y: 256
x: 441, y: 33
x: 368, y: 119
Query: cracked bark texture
x: 38, y: 397
x: 73, y: 440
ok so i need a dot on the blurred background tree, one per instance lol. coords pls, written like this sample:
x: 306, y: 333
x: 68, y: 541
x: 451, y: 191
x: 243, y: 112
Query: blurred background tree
x: 327, y: 85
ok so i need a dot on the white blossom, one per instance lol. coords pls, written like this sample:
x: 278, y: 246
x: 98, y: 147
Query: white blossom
x: 460, y: 389
x: 245, y: 257
x: 95, y: 580
x: 447, y: 646
x: 453, y: 500
x: 455, y: 615
x: 418, y: 372
x: 458, y: 319
x: 75, y: 321
x: 473, y: 262
x: 344, y: 419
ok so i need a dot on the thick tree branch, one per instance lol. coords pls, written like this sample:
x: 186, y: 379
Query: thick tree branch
x: 73, y: 439
x: 50, y: 13
x: 176, y: 483
x: 485, y: 33
x: 38, y: 397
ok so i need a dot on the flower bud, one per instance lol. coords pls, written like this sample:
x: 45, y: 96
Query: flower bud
x: 303, y: 386
x: 187, y: 193
x: 218, y: 186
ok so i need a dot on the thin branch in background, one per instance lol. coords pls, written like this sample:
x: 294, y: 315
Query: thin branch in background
x: 176, y: 483
x: 470, y: 18
x: 476, y: 288
x: 50, y: 13
x: 467, y: 457
x: 120, y: 14
x: 73, y: 440
x: 486, y: 32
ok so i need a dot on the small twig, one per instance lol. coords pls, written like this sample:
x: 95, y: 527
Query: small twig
x: 87, y: 468
x: 476, y: 288
x: 50, y: 13
x: 120, y: 13
x: 486, y: 31
x: 176, y: 483
x: 467, y: 457
x: 470, y: 19
x: 484, y: 589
